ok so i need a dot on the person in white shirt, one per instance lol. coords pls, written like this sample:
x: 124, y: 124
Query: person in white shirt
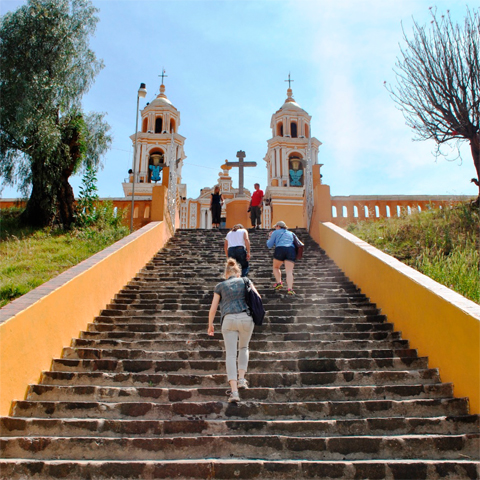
x: 237, y: 246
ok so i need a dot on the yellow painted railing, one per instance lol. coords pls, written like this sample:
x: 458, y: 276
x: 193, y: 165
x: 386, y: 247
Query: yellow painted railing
x: 439, y: 323
x: 35, y: 328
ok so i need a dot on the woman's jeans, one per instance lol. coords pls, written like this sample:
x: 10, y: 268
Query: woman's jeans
x: 239, y: 253
x: 236, y: 327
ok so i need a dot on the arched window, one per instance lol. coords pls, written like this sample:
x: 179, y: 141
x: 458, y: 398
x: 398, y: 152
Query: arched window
x: 280, y: 129
x: 344, y: 211
x: 158, y: 125
x: 293, y: 129
x: 172, y: 126
x: 355, y: 211
x: 334, y: 211
x: 145, y: 125
x: 306, y: 131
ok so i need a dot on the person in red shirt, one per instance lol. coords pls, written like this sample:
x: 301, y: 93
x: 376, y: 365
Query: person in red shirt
x: 256, y: 206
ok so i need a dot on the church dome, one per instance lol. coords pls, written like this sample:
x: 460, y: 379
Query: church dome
x: 290, y: 103
x: 161, y: 100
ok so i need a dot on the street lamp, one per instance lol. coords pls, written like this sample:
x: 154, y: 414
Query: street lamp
x: 142, y: 91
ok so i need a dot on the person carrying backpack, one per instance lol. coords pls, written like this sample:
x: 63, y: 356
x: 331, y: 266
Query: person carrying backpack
x: 237, y: 325
x: 282, y: 239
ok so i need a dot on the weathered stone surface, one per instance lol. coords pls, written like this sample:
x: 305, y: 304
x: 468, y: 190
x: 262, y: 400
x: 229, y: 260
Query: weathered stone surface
x: 335, y: 392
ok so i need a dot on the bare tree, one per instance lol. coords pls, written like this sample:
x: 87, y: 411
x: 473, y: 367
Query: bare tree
x: 438, y: 82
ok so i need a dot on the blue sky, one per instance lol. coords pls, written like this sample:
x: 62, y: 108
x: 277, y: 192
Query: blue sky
x: 226, y: 63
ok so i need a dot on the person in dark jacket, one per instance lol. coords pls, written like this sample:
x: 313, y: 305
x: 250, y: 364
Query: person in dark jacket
x: 216, y: 202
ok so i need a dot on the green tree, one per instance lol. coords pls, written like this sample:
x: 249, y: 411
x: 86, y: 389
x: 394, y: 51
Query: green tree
x: 438, y: 82
x: 46, y: 66
x: 88, y: 197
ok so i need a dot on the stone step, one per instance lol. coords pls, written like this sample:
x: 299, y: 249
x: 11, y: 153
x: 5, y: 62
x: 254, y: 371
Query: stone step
x: 190, y: 320
x: 212, y: 366
x: 255, y: 345
x: 272, y: 309
x: 187, y: 317
x: 199, y: 328
x: 52, y: 427
x: 441, y: 447
x: 86, y: 393
x: 285, y: 354
x: 258, y: 336
x: 185, y: 469
x: 271, y: 380
x: 269, y: 302
x: 314, y: 287
x: 317, y: 331
x: 430, y: 407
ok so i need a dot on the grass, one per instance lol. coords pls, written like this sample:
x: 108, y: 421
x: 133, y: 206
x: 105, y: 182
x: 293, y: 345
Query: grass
x: 30, y: 257
x: 441, y: 243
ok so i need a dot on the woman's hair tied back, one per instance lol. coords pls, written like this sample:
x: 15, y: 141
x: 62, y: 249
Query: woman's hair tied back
x: 232, y: 268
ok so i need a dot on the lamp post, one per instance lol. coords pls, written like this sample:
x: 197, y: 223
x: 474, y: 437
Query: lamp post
x: 142, y: 91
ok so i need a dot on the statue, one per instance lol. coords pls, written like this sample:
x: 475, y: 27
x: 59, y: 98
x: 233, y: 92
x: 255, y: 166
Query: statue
x: 156, y: 169
x: 295, y: 174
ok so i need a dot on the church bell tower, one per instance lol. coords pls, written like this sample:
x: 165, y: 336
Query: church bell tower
x: 158, y: 142
x: 289, y: 150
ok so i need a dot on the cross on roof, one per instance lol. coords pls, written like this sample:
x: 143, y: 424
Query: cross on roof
x: 163, y: 75
x: 289, y: 81
x: 241, y: 164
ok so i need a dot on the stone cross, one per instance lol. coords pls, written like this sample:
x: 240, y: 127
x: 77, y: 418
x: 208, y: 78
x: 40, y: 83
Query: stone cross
x: 241, y: 164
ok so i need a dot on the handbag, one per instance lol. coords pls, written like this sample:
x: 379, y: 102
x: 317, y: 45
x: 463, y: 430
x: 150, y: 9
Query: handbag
x: 298, y: 247
x: 254, y: 303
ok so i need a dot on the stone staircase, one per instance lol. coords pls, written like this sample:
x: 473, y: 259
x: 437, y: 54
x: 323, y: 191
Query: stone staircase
x: 334, y: 391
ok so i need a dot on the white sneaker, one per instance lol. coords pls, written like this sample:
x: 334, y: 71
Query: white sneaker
x: 234, y: 397
x: 242, y: 383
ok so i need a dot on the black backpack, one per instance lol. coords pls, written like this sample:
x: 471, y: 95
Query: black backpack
x: 254, y: 303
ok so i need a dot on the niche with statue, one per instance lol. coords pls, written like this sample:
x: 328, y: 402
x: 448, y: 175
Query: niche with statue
x: 295, y: 168
x: 155, y: 166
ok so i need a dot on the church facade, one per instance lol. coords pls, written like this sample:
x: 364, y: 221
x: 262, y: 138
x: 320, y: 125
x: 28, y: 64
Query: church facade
x: 293, y: 172
x: 290, y: 150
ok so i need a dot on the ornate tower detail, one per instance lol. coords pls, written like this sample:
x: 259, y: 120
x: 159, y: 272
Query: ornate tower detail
x: 292, y: 152
x: 157, y: 141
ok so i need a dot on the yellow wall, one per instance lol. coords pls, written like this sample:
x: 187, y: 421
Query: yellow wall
x: 322, y: 210
x: 440, y: 323
x: 292, y: 215
x: 237, y: 213
x: 37, y: 333
x: 159, y: 200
